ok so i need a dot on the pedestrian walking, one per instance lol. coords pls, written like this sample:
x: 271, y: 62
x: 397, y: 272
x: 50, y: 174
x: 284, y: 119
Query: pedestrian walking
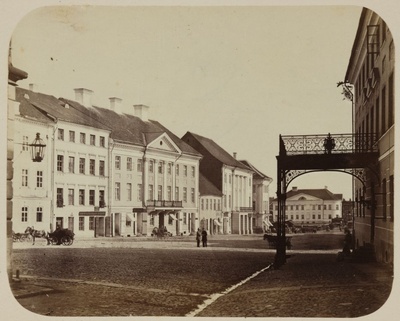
x: 347, y: 243
x: 204, y: 237
x: 198, y: 237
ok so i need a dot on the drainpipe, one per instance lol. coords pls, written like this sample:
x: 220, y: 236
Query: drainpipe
x: 110, y: 149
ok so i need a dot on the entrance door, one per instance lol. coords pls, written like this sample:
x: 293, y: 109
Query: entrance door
x: 60, y: 222
x: 71, y: 223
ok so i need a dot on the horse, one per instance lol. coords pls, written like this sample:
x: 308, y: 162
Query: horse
x: 37, y: 233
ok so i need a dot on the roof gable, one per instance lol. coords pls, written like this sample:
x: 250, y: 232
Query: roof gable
x: 161, y: 141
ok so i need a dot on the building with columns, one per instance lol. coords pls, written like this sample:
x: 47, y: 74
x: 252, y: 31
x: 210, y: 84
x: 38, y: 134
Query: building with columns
x: 232, y: 178
x: 110, y: 171
x: 261, y: 218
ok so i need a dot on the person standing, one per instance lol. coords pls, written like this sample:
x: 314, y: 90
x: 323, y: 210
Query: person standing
x: 198, y: 237
x: 204, y: 237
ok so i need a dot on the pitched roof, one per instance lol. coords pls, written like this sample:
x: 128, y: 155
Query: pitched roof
x: 257, y: 173
x: 218, y: 152
x: 321, y: 193
x: 207, y: 188
x: 124, y: 127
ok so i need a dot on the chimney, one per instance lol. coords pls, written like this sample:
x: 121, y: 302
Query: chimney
x: 142, y: 111
x: 234, y: 155
x: 294, y: 188
x: 116, y: 104
x: 83, y: 96
x: 33, y: 87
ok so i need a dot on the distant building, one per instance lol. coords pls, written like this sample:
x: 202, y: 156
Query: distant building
x: 261, y: 220
x: 310, y: 206
x: 371, y: 72
x: 347, y: 210
x: 232, y: 178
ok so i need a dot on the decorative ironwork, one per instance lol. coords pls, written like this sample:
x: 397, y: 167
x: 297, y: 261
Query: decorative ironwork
x: 322, y: 144
x: 359, y: 173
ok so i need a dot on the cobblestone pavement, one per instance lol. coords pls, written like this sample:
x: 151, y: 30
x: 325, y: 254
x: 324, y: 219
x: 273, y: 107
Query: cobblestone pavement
x: 148, y: 282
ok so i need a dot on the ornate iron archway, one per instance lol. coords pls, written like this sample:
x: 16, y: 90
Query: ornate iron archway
x: 353, y: 154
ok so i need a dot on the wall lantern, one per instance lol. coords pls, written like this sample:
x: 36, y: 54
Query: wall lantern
x: 37, y: 149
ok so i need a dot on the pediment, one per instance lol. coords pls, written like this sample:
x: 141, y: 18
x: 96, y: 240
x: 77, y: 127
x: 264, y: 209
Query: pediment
x: 302, y: 197
x: 163, y: 142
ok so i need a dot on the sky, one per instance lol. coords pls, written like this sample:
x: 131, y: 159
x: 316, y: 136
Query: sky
x: 238, y: 75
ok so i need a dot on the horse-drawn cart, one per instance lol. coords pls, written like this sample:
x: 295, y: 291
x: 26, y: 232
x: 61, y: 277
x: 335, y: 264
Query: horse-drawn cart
x: 21, y: 237
x: 61, y: 236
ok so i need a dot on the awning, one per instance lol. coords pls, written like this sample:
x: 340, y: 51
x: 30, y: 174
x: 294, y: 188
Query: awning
x: 92, y: 213
x: 173, y: 216
x: 267, y: 222
x: 139, y: 210
x: 217, y: 222
x: 129, y: 217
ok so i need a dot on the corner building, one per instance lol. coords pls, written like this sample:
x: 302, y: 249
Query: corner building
x: 371, y: 72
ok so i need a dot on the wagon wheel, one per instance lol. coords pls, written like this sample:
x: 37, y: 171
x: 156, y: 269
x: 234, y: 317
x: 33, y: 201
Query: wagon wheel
x: 53, y: 240
x: 27, y: 238
x: 66, y: 240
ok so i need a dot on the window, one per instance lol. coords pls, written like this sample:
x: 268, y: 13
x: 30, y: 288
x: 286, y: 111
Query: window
x: 319, y: 207
x: 24, y: 214
x: 91, y: 223
x: 129, y: 191
x: 169, y: 168
x: 192, y: 196
x: 82, y: 138
x: 71, y: 196
x: 24, y: 177
x: 302, y: 207
x: 230, y: 201
x: 81, y: 224
x: 93, y: 140
x: 160, y: 167
x: 176, y: 193
x: 60, y: 197
x: 319, y: 216
x: 25, y: 143
x: 81, y: 165
x: 177, y: 170
x: 202, y: 204
x: 330, y: 207
x: 230, y: 179
x: 169, y: 193
x: 101, y: 168
x: 215, y: 203
x: 92, y: 166
x: 81, y: 197
x: 71, y: 164
x: 185, y: 194
x: 184, y: 218
x: 39, y: 179
x: 129, y: 163
x: 72, y: 136
x: 185, y: 170
x: 139, y: 192
x: 117, y: 162
x: 207, y: 204
x: 117, y: 189
x: 102, y: 141
x: 193, y: 171
x: 91, y: 197
x: 219, y: 205
x: 39, y: 214
x: 337, y: 207
x: 139, y: 165
x: 102, y: 202
x: 159, y: 193
x: 297, y: 207
x: 151, y: 166
x: 60, y: 135
x: 151, y: 192
x: 324, y: 207
x: 60, y: 163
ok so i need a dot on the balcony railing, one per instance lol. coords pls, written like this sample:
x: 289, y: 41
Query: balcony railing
x: 324, y: 144
x: 164, y: 203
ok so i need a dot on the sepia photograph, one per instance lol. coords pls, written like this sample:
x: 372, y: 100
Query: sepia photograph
x: 232, y: 159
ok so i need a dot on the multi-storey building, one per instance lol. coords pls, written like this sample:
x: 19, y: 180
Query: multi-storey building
x: 261, y: 218
x: 229, y: 176
x: 67, y: 186
x: 210, y: 211
x: 310, y: 206
x: 370, y: 73
x: 113, y: 172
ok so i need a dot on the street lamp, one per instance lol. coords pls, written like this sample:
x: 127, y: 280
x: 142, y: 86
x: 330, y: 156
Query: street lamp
x: 37, y: 148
